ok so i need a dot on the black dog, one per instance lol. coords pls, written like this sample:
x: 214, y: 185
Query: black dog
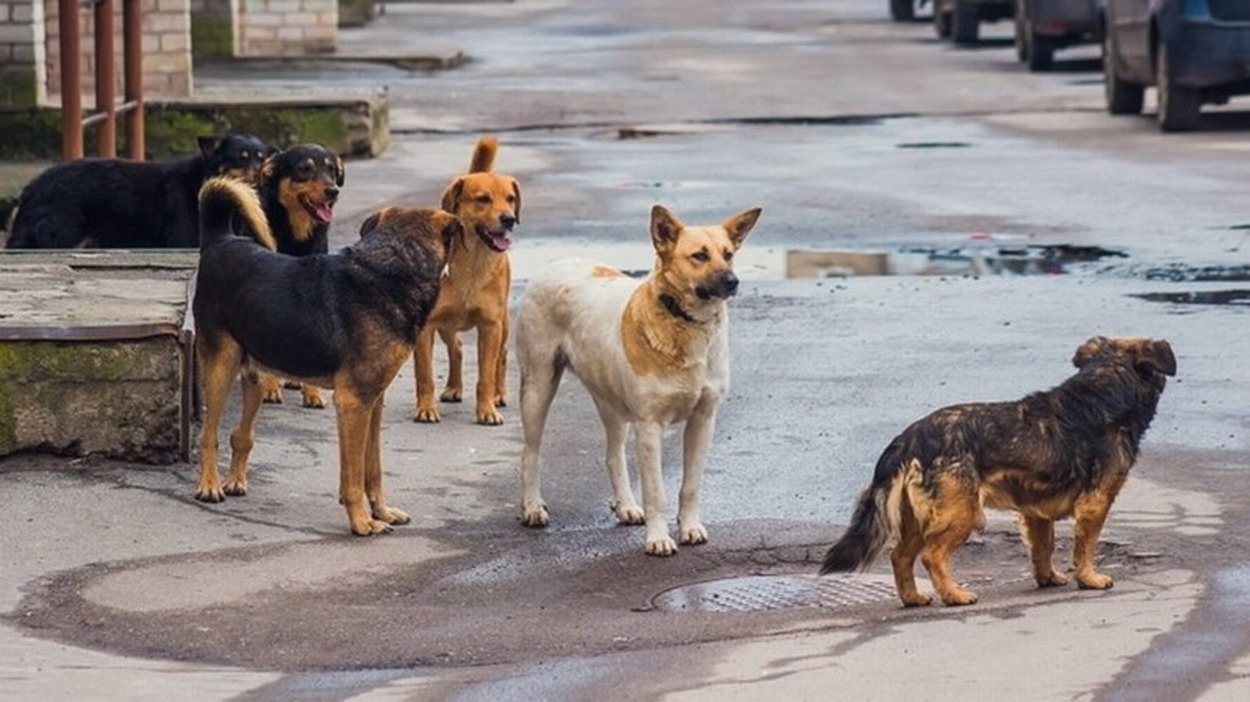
x: 346, y: 321
x: 1061, y: 453
x: 113, y: 203
x: 298, y: 189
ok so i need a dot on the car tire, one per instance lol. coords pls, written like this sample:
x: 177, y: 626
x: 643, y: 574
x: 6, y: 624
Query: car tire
x: 1040, y: 52
x: 965, y: 24
x: 902, y: 10
x: 941, y: 22
x: 1123, y: 97
x: 1179, y: 107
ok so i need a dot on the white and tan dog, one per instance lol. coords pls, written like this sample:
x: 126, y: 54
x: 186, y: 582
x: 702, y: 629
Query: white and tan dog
x: 649, y: 353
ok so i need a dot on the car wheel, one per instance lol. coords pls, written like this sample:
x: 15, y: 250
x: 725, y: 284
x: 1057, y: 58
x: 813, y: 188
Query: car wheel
x: 1178, y: 107
x: 902, y: 10
x: 965, y: 24
x: 1041, y: 52
x: 941, y: 22
x: 1123, y: 97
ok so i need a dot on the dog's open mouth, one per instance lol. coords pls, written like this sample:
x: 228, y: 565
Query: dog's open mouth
x: 498, y: 241
x: 323, y: 212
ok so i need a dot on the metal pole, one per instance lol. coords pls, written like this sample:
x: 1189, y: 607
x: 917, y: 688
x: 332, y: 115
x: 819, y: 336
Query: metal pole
x: 106, y: 77
x: 71, y: 80
x: 132, y: 29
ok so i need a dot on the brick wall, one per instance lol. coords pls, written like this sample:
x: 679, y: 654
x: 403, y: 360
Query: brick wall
x: 286, y: 27
x: 166, y: 49
x: 22, y: 57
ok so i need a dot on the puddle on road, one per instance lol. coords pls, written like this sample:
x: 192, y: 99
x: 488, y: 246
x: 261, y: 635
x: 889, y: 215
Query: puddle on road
x: 766, y: 593
x: 1199, y: 297
x: 1001, y: 260
x: 1200, y: 274
x: 933, y: 145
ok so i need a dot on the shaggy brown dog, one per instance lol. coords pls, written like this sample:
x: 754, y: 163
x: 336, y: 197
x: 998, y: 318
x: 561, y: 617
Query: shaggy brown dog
x: 1056, y: 454
x: 345, y: 321
x: 475, y: 290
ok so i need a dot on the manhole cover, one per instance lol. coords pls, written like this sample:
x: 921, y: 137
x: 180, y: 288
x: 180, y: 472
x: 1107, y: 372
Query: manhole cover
x: 765, y: 593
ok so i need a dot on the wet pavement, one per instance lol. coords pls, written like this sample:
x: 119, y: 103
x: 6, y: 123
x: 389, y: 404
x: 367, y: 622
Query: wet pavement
x: 1016, y: 220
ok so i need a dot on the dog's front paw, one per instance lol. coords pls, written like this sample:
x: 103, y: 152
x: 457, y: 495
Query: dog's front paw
x: 427, y: 415
x: 390, y: 515
x: 1052, y: 579
x: 210, y: 493
x: 235, y: 487
x: 488, y: 416
x: 370, y: 527
x: 629, y: 514
x: 1094, y: 581
x: 958, y: 597
x: 501, y: 401
x: 312, y: 398
x: 661, y: 546
x: 452, y: 395
x: 693, y: 534
x: 272, y: 394
x: 916, y: 599
x: 535, y: 516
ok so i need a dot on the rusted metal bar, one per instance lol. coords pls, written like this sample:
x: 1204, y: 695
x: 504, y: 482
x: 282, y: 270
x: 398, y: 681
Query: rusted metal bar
x: 98, y: 117
x: 105, y: 78
x: 71, y: 80
x: 132, y: 48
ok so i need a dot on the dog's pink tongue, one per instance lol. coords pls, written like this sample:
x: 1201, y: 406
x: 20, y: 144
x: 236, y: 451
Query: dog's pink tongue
x: 323, y: 213
x: 502, y: 242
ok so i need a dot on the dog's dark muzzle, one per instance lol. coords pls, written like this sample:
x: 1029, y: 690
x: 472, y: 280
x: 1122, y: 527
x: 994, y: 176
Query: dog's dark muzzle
x: 724, y: 285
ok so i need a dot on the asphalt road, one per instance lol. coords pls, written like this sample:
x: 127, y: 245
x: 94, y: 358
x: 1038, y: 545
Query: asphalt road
x: 852, y: 133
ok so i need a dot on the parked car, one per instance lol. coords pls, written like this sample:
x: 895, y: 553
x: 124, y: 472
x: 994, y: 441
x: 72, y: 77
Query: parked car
x: 1044, y: 26
x: 1192, y: 51
x: 961, y: 19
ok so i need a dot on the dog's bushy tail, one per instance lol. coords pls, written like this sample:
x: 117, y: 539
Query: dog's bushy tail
x: 875, y: 519
x: 227, y: 201
x: 484, y: 155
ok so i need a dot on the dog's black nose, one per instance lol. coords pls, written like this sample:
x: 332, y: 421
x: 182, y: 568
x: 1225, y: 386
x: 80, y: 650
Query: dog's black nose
x: 728, y: 284
x: 507, y: 221
x: 332, y: 193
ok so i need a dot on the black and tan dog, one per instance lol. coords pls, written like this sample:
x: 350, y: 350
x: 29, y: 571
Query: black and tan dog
x: 114, y: 203
x: 345, y: 321
x: 298, y: 189
x: 1065, y: 452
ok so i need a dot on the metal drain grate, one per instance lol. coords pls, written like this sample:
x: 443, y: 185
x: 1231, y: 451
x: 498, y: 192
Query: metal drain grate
x: 765, y: 593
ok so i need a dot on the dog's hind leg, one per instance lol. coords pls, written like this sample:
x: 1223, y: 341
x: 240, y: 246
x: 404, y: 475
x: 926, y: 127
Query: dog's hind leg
x: 540, y: 378
x: 501, y: 375
x: 355, y: 416
x: 649, y: 435
x: 903, y: 558
x: 954, y: 515
x: 423, y: 369
x: 1039, y: 534
x: 243, y: 438
x: 1091, y: 513
x: 373, y: 472
x: 311, y: 397
x: 219, y: 363
x: 626, y: 508
x: 454, y: 390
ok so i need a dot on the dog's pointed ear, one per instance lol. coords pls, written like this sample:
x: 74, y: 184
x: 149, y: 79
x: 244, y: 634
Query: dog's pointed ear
x: 340, y: 172
x: 665, y: 228
x: 371, y: 223
x: 451, y: 196
x: 1089, y: 350
x: 208, y: 144
x: 270, y: 166
x: 740, y: 225
x: 516, y: 208
x: 1157, y: 355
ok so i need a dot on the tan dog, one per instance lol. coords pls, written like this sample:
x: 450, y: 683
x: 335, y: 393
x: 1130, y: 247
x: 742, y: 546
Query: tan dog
x: 650, y: 354
x: 475, y: 290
